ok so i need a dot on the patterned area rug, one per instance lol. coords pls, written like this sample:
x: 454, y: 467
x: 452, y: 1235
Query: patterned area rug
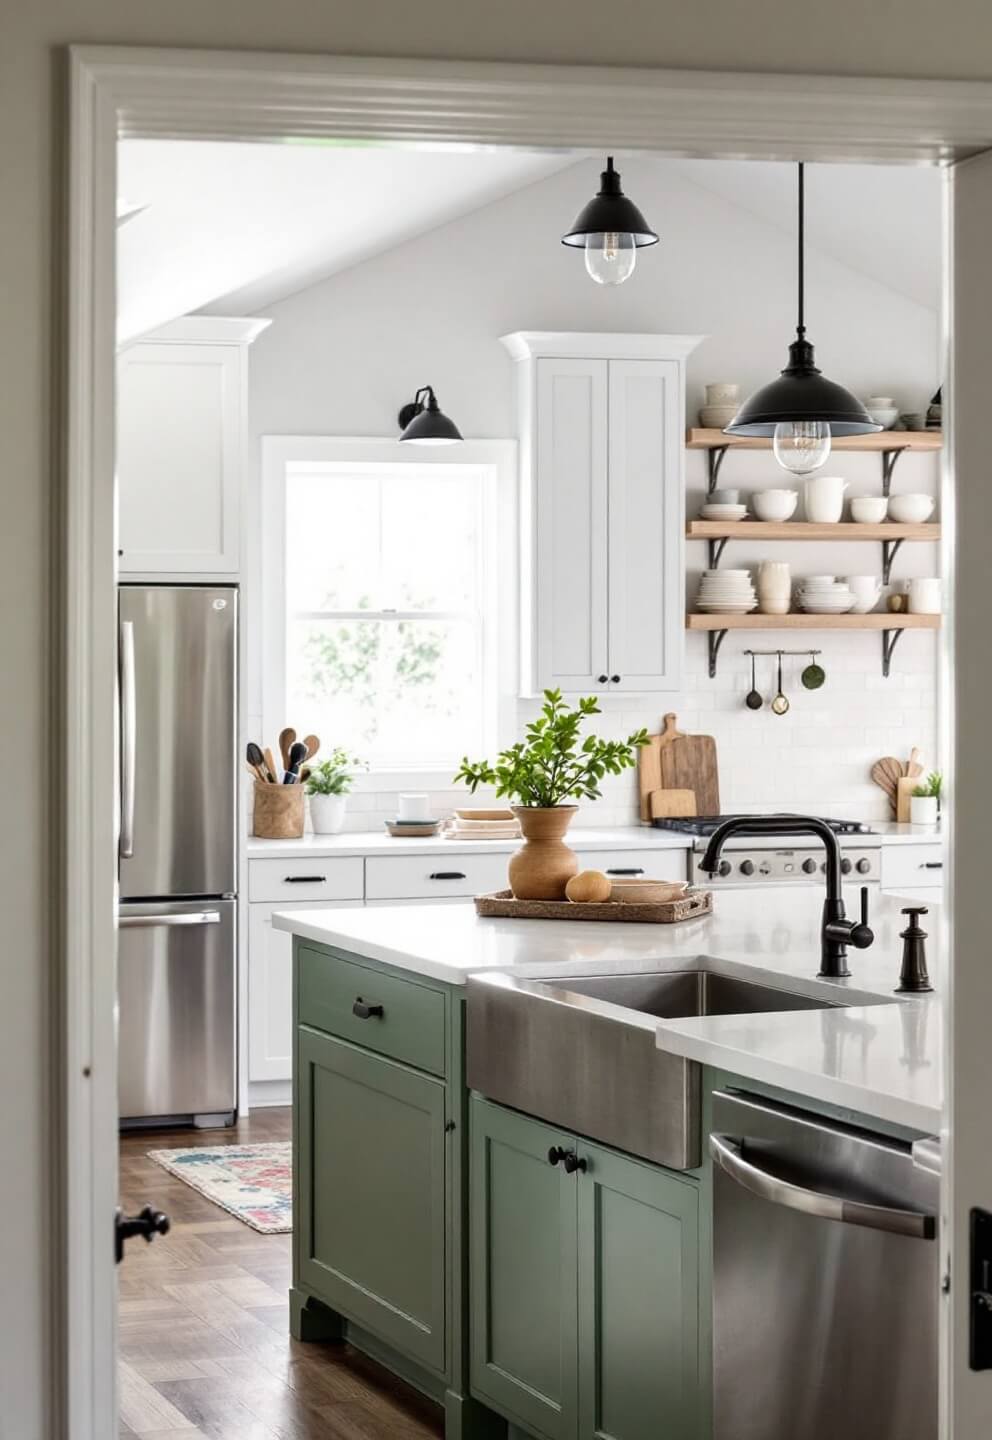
x: 252, y: 1182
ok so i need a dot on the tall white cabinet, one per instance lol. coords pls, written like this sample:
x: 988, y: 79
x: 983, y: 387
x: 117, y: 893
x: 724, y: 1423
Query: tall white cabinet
x: 180, y: 423
x: 602, y: 510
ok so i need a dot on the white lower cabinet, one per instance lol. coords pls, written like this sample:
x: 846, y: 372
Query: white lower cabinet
x: 913, y: 867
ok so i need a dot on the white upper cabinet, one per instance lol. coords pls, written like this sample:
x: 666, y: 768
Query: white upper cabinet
x: 602, y: 507
x: 180, y: 447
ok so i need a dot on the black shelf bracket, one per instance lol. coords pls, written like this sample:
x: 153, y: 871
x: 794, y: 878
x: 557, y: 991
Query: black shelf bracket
x: 714, y: 639
x: 889, y: 461
x: 890, y: 549
x: 714, y: 459
x: 890, y: 639
x: 715, y: 549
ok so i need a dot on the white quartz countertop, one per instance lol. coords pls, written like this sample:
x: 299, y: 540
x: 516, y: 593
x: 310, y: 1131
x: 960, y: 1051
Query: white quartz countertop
x: 881, y: 1060
x: 629, y: 837
x: 380, y: 842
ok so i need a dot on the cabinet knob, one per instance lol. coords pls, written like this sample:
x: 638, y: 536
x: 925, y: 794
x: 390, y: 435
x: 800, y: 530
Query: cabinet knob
x: 602, y: 679
x: 365, y: 1011
x: 615, y: 679
x: 573, y: 1162
x: 555, y: 1154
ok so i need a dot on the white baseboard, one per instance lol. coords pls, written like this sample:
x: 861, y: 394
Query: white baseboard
x: 263, y: 1093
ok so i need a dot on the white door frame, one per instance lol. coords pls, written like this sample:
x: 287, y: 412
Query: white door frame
x: 232, y: 95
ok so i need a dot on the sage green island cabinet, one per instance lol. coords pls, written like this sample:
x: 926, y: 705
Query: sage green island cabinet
x: 585, y: 1293
x: 380, y: 1167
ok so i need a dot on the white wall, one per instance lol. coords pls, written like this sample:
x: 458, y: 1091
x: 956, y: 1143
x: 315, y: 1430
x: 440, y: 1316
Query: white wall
x: 341, y: 356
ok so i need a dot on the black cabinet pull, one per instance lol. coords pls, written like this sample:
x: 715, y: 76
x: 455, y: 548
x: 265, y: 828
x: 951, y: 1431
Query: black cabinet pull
x: 932, y: 865
x: 447, y: 875
x: 365, y: 1011
x: 573, y: 1162
x: 555, y: 1154
x: 602, y: 679
x: 628, y: 870
x: 615, y: 679
x: 304, y: 879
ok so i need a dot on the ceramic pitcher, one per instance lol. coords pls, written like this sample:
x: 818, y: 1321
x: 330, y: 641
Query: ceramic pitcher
x: 824, y: 498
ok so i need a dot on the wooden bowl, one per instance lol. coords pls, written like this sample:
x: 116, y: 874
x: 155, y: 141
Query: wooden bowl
x: 485, y: 814
x: 647, y: 892
x: 413, y: 829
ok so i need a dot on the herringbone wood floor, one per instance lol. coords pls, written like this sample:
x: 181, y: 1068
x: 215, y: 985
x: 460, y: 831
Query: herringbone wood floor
x: 205, y: 1349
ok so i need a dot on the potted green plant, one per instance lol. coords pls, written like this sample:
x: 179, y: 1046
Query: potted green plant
x: 924, y: 803
x: 542, y: 774
x: 328, y: 786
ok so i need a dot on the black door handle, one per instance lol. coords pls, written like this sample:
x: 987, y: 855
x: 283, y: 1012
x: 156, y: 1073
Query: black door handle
x: 304, y: 879
x: 447, y: 875
x: 149, y: 1223
x: 631, y: 870
x: 932, y: 865
x: 365, y: 1011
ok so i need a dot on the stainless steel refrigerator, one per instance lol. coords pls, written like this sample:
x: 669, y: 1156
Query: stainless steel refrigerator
x: 177, y: 945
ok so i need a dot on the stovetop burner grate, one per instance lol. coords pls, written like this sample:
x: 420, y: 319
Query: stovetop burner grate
x: 705, y: 824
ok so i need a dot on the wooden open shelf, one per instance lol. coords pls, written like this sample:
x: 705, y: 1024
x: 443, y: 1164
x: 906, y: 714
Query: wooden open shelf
x: 887, y: 620
x: 806, y: 530
x: 882, y: 440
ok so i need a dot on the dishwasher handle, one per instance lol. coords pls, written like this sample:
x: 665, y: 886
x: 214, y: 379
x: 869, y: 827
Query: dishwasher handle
x: 728, y: 1153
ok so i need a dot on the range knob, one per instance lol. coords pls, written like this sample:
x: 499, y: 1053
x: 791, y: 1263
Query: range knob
x: 723, y: 868
x: 845, y: 866
x: 863, y: 867
x: 809, y: 867
x: 747, y: 867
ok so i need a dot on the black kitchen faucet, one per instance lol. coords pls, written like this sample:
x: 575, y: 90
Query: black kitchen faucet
x: 837, y: 932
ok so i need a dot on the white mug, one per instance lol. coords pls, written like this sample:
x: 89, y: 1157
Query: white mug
x: 824, y: 499
x: 924, y: 596
x: 414, y: 807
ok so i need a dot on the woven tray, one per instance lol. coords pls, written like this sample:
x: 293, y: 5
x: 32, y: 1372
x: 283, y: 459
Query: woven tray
x: 659, y: 912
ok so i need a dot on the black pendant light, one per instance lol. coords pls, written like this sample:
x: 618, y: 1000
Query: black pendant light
x: 802, y: 410
x: 423, y: 422
x: 611, y: 230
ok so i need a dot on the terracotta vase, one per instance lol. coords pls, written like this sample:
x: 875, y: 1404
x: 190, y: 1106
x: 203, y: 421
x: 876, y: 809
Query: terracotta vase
x: 543, y: 865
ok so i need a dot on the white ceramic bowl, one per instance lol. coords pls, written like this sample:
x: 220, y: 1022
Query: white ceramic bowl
x: 774, y: 504
x: 869, y: 509
x: 717, y: 417
x: 910, y: 509
x: 722, y: 393
x: 884, y: 415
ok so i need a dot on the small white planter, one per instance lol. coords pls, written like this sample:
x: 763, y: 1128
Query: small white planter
x: 327, y: 813
x: 923, y: 809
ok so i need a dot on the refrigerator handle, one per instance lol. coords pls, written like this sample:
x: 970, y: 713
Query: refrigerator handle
x: 128, y: 739
x: 188, y: 917
x: 729, y: 1155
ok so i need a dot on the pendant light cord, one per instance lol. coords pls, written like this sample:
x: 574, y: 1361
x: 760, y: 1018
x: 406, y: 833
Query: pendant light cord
x: 801, y: 322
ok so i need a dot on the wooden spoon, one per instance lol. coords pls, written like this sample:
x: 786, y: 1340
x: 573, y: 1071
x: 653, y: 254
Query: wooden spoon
x: 286, y: 739
x: 313, y: 745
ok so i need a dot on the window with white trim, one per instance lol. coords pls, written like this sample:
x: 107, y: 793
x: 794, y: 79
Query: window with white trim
x: 389, y: 602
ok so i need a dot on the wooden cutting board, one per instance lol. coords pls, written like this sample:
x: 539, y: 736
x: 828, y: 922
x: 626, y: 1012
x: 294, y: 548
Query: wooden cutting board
x: 689, y: 763
x: 672, y: 804
x: 649, y: 763
x: 904, y: 790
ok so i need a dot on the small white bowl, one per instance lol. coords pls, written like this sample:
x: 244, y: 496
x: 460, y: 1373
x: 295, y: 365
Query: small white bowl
x: 869, y: 509
x: 884, y: 415
x: 774, y: 504
x: 910, y: 509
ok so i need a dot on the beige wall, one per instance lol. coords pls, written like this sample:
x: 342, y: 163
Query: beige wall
x: 914, y: 38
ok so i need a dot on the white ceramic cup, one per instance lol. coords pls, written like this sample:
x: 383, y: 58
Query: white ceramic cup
x: 414, y: 807
x: 869, y: 509
x: 722, y: 393
x: 724, y: 497
x: 824, y: 499
x: 866, y: 589
x: 924, y: 596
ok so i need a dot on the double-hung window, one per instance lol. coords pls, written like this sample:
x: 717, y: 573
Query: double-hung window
x: 383, y: 573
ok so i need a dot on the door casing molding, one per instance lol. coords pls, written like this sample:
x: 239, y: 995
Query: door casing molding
x: 255, y: 96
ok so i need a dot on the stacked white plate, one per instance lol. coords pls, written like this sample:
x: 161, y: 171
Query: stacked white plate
x: 726, y: 592
x: 723, y: 512
x: 823, y: 595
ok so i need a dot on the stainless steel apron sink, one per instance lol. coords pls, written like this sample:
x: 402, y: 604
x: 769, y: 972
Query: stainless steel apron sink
x: 580, y: 1052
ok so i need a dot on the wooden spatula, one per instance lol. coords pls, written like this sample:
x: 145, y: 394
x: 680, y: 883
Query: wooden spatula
x: 915, y: 765
x: 649, y: 762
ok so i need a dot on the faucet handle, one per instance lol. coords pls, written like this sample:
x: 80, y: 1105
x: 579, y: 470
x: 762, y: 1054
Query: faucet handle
x: 862, y: 934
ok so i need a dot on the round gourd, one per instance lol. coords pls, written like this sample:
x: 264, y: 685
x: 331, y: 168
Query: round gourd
x: 588, y: 887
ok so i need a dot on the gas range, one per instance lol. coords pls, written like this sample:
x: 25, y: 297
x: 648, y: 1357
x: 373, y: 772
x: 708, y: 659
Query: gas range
x: 791, y: 860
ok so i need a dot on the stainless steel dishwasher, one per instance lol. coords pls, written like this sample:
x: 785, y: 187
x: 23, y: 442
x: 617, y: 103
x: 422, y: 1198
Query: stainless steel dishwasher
x: 825, y: 1278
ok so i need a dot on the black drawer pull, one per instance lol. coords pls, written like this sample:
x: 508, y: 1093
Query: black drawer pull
x: 932, y: 865
x: 631, y: 870
x: 304, y: 879
x: 365, y: 1011
x: 447, y: 875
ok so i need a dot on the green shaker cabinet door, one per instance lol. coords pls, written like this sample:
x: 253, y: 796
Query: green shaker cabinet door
x: 638, y: 1319
x: 370, y: 1192
x: 523, y: 1289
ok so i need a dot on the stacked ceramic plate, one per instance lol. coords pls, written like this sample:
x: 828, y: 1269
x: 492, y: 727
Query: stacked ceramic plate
x: 823, y: 595
x: 712, y: 511
x: 726, y: 592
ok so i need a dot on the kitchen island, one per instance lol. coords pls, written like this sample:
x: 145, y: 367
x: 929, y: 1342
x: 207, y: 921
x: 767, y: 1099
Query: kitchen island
x: 432, y: 1231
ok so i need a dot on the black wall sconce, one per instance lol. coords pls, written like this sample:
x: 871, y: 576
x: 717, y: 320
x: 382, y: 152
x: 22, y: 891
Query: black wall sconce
x: 423, y: 422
